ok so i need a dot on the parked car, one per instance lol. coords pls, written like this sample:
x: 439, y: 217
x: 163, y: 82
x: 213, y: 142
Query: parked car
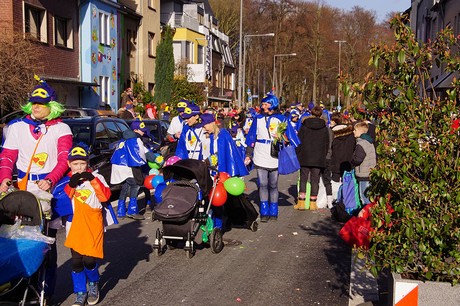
x: 102, y: 134
x: 158, y: 130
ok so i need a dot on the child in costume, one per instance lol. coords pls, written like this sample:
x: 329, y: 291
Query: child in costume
x: 192, y: 141
x: 127, y: 160
x: 85, y: 227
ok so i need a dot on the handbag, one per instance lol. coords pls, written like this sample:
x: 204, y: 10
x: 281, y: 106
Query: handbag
x: 356, y: 232
x: 288, y: 162
x: 274, y: 150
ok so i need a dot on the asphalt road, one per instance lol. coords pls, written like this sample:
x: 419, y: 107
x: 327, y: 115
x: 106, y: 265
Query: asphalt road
x: 297, y: 260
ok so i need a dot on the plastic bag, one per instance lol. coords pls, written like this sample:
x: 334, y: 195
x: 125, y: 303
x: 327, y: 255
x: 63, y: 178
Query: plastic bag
x: 16, y: 231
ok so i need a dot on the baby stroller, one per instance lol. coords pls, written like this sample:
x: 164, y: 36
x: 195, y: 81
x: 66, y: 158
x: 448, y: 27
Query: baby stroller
x: 185, y: 207
x: 23, y: 249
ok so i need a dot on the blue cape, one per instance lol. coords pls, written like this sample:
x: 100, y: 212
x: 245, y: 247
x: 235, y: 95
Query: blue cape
x: 229, y: 158
x: 181, y: 149
x: 291, y: 134
x: 60, y: 203
x: 127, y: 153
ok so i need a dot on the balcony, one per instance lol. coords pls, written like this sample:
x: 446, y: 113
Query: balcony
x: 180, y: 20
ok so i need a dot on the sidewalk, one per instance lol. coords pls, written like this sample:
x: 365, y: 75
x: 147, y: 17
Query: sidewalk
x: 363, y: 285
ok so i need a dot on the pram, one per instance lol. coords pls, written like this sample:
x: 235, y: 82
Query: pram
x: 22, y: 260
x: 185, y: 207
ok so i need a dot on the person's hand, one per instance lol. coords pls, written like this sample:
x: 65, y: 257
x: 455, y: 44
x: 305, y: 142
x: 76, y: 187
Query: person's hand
x: 5, y: 184
x: 44, y: 184
x: 247, y: 161
x: 177, y: 135
x: 75, y: 180
x: 88, y: 176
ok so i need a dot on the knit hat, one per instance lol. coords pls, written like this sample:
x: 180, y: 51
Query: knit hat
x: 79, y: 152
x: 42, y: 94
x: 207, y: 118
x: 182, y: 104
x: 129, y: 105
x: 190, y: 111
x: 139, y: 125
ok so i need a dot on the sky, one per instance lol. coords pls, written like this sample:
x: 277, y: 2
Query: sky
x: 381, y: 7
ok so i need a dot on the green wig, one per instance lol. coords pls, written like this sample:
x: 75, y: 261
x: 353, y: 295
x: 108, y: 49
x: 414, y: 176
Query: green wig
x: 56, y: 109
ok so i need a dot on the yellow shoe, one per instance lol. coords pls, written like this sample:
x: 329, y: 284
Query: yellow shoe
x: 313, y: 205
x: 300, y: 205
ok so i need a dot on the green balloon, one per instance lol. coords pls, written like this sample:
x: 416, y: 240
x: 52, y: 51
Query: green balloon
x: 234, y: 186
x: 153, y: 165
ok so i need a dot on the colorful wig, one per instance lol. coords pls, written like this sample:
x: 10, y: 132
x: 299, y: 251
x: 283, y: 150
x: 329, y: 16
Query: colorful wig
x: 56, y: 109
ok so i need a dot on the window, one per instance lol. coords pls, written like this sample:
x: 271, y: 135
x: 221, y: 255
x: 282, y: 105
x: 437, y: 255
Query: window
x: 35, y: 23
x: 188, y: 50
x: 63, y: 34
x: 152, y: 4
x: 113, y: 132
x: 151, y: 45
x: 104, y: 83
x: 104, y: 29
x: 200, y: 54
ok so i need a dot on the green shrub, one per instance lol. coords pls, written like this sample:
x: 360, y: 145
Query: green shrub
x: 418, y: 157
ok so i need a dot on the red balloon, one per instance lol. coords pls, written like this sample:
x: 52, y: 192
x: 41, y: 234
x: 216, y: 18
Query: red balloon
x: 148, y: 181
x: 223, y: 176
x: 220, y: 195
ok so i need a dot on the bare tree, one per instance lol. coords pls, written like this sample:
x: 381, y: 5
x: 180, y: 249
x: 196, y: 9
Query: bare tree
x: 19, y: 61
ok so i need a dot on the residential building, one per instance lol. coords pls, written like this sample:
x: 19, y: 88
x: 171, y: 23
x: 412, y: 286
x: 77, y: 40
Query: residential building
x: 53, y: 27
x: 201, y: 50
x: 139, y: 36
x: 427, y: 18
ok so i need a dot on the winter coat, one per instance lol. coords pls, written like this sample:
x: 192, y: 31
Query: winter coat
x: 343, y: 146
x: 364, y: 157
x: 314, y: 143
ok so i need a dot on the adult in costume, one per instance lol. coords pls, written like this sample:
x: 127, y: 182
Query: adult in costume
x: 192, y: 141
x: 38, y: 145
x: 263, y: 133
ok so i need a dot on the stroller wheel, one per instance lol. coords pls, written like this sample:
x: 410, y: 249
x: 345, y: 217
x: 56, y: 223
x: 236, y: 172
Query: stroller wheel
x: 189, y: 247
x: 157, y: 245
x: 254, y: 226
x: 216, y: 241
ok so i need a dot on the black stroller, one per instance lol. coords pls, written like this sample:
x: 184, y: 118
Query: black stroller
x: 22, y: 259
x: 185, y: 207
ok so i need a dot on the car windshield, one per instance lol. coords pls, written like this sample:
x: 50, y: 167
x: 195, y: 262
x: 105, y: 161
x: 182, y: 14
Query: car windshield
x: 81, y: 133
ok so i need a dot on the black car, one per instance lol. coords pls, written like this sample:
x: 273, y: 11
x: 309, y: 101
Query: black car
x: 102, y: 134
x: 158, y: 130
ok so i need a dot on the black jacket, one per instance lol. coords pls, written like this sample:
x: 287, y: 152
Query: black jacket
x: 343, y: 146
x: 314, y: 143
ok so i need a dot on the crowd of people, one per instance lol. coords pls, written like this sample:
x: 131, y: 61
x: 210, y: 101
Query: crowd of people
x: 40, y: 147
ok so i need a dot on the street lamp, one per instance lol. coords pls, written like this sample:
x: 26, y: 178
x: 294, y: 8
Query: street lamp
x: 246, y: 37
x: 274, y: 66
x: 340, y: 42
x: 240, y: 51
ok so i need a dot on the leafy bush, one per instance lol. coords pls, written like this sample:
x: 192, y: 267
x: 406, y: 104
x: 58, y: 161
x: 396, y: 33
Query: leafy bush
x: 418, y: 157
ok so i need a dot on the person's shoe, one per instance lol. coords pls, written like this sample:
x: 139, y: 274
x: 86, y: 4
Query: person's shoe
x: 313, y: 205
x: 80, y: 300
x: 93, y: 293
x: 273, y: 218
x: 300, y: 204
x: 136, y: 217
x: 264, y: 218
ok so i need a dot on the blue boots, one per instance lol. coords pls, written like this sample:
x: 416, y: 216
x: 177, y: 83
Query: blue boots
x: 273, y: 211
x: 91, y: 296
x: 79, y: 288
x: 121, y: 209
x: 268, y: 211
x: 264, y: 211
x: 93, y: 288
x: 133, y: 212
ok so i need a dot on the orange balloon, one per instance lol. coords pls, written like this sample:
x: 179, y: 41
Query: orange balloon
x: 223, y: 176
x: 220, y: 195
x: 148, y: 181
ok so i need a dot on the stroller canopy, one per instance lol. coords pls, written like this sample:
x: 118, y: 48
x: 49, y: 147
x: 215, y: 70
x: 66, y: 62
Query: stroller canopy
x: 189, y: 169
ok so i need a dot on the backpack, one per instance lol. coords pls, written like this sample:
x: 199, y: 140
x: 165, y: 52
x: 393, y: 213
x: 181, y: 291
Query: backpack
x: 349, y: 193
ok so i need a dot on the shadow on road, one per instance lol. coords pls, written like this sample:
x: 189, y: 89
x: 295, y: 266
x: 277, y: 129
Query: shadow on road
x: 124, y: 247
x: 338, y: 254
